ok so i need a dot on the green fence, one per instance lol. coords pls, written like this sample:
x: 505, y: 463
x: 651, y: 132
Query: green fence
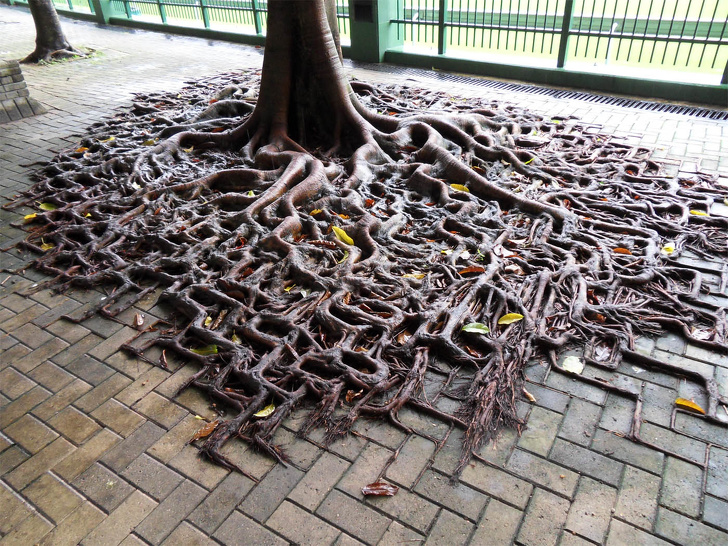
x: 642, y: 34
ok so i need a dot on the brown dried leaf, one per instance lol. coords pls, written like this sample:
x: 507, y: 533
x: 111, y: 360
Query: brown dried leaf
x: 351, y: 395
x: 379, y: 489
x: 205, y: 431
x: 471, y: 270
x: 138, y: 320
x: 620, y: 250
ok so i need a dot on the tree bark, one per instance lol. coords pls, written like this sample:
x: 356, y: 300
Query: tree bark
x: 50, y: 42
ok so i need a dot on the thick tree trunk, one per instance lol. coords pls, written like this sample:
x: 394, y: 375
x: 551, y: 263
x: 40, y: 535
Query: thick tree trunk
x: 50, y: 42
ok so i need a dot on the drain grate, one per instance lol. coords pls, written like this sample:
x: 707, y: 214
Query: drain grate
x: 693, y: 111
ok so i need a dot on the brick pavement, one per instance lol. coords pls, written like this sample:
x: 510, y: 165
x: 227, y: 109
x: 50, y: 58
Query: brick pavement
x: 92, y: 442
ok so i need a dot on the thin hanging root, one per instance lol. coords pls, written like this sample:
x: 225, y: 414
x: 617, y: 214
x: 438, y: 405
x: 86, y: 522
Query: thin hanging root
x: 441, y: 220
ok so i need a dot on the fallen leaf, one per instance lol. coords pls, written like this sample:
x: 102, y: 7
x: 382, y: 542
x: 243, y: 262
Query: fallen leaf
x: 289, y: 288
x: 208, y: 321
x: 460, y: 187
x: 699, y: 213
x: 471, y: 270
x: 236, y: 339
x: 573, y: 364
x: 138, y: 320
x: 149, y: 142
x: 199, y: 417
x: 342, y: 260
x: 314, y: 212
x: 415, y: 275
x: 351, y: 395
x: 108, y: 139
x: 476, y: 328
x: 668, y: 248
x: 369, y: 203
x: 465, y: 255
x: 684, y: 403
x: 206, y: 350
x: 204, y: 432
x: 620, y: 250
x: 250, y: 193
x: 343, y: 216
x: 81, y: 150
x: 47, y: 206
x: 531, y: 398
x: 510, y: 318
x: 266, y: 411
x: 342, y: 236
x: 446, y: 252
x: 379, y: 489
x: 28, y: 217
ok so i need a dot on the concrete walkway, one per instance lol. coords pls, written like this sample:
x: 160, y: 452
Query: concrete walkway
x: 93, y: 446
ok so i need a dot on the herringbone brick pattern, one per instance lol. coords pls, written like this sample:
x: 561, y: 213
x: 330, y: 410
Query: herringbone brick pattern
x: 93, y: 443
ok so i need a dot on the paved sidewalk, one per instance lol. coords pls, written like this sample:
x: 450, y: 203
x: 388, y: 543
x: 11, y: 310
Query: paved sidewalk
x: 93, y: 446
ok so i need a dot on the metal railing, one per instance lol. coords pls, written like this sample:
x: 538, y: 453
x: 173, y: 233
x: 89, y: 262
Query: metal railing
x: 664, y: 34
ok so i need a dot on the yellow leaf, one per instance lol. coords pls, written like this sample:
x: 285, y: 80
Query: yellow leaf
x: 208, y: 321
x: 573, y: 364
x: 314, y: 212
x: 87, y: 215
x: 206, y: 350
x: 108, y: 139
x: 689, y: 405
x: 199, y: 417
x: 668, y: 248
x: 47, y: 246
x: 699, y: 213
x: 460, y: 187
x: 526, y: 163
x: 251, y: 193
x: 531, y: 398
x: 47, y: 206
x: 266, y: 411
x: 81, y: 149
x: 236, y: 338
x: 510, y: 318
x: 346, y: 255
x: 414, y: 275
x: 149, y: 142
x: 30, y: 216
x: 342, y: 236
x: 188, y: 150
x: 289, y: 288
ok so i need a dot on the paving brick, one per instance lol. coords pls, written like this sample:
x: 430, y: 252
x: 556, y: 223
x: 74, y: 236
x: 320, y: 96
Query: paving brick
x: 318, y: 481
x: 74, y: 425
x: 103, y: 487
x: 142, y: 386
x: 365, y: 469
x: 638, y: 494
x: 575, y: 388
x: 683, y: 530
x: 715, y: 512
x: 618, y: 414
x: 591, y: 510
x: 89, y: 369
x: 301, y: 527
x: 75, y: 351
x: 160, y: 410
x: 545, y: 473
x: 355, y: 518
x: 25, y: 316
x: 544, y: 518
x: 102, y: 392
x: 67, y: 330
x: 32, y: 336
x: 398, y: 534
x: 111, y: 344
x: 36, y: 357
x: 76, y: 526
x: 701, y: 428
x: 169, y: 445
x: 270, y: 492
x: 123, y: 520
x: 152, y: 477
x: 118, y: 458
x: 39, y: 463
x: 238, y: 530
x: 682, y: 485
x: 456, y: 497
x: 451, y: 529
x: 14, y: 384
x: 118, y: 417
x: 165, y: 517
x: 194, y: 466
x: 14, y: 511
x: 408, y: 508
x: 12, y: 458
x: 221, y: 502
x: 61, y: 399
x: 541, y: 431
x: 189, y: 536
x: 30, y: 434
x: 499, y: 450
x: 300, y: 452
x: 29, y: 531
x: 717, y: 482
x: 498, y: 526
x: 70, y: 467
x: 621, y: 534
x: 580, y: 422
x: 54, y: 498
x: 671, y: 441
x: 127, y: 364
x: 587, y: 462
x: 51, y: 376
x: 622, y: 449
x: 16, y: 352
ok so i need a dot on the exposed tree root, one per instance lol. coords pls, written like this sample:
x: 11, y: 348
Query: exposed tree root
x: 460, y: 214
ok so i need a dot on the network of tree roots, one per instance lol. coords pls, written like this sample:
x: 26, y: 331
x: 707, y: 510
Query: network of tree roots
x: 453, y: 212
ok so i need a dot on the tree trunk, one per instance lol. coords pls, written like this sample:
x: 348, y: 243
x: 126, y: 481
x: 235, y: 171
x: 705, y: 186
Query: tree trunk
x: 50, y: 42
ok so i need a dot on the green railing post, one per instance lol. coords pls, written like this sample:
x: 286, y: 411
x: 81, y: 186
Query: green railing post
x: 256, y: 18
x: 565, y: 33
x: 162, y: 11
x: 724, y: 80
x: 205, y: 14
x: 127, y: 9
x: 441, y: 29
x: 70, y: 4
x: 104, y: 10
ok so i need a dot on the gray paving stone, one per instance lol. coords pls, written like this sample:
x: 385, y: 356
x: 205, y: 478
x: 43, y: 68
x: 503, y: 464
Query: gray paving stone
x: 270, y: 492
x: 580, y: 422
x: 715, y: 512
x: 541, y: 430
x: 318, y: 481
x: 355, y: 518
x: 450, y: 529
x: 545, y: 516
x: 620, y: 534
x: 638, y: 495
x: 498, y: 526
x: 683, y: 530
x: 458, y: 498
x: 301, y: 527
x: 132, y: 447
x: 221, y: 502
x: 238, y: 530
x: 167, y: 515
x: 152, y: 477
x: 506, y: 487
x: 544, y: 473
x: 591, y: 510
x: 103, y: 487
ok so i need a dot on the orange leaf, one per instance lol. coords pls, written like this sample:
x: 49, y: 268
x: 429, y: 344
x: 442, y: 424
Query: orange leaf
x: 205, y: 431
x: 689, y: 405
x: 369, y: 203
x: 218, y: 130
x: 620, y: 250
x: 471, y: 269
